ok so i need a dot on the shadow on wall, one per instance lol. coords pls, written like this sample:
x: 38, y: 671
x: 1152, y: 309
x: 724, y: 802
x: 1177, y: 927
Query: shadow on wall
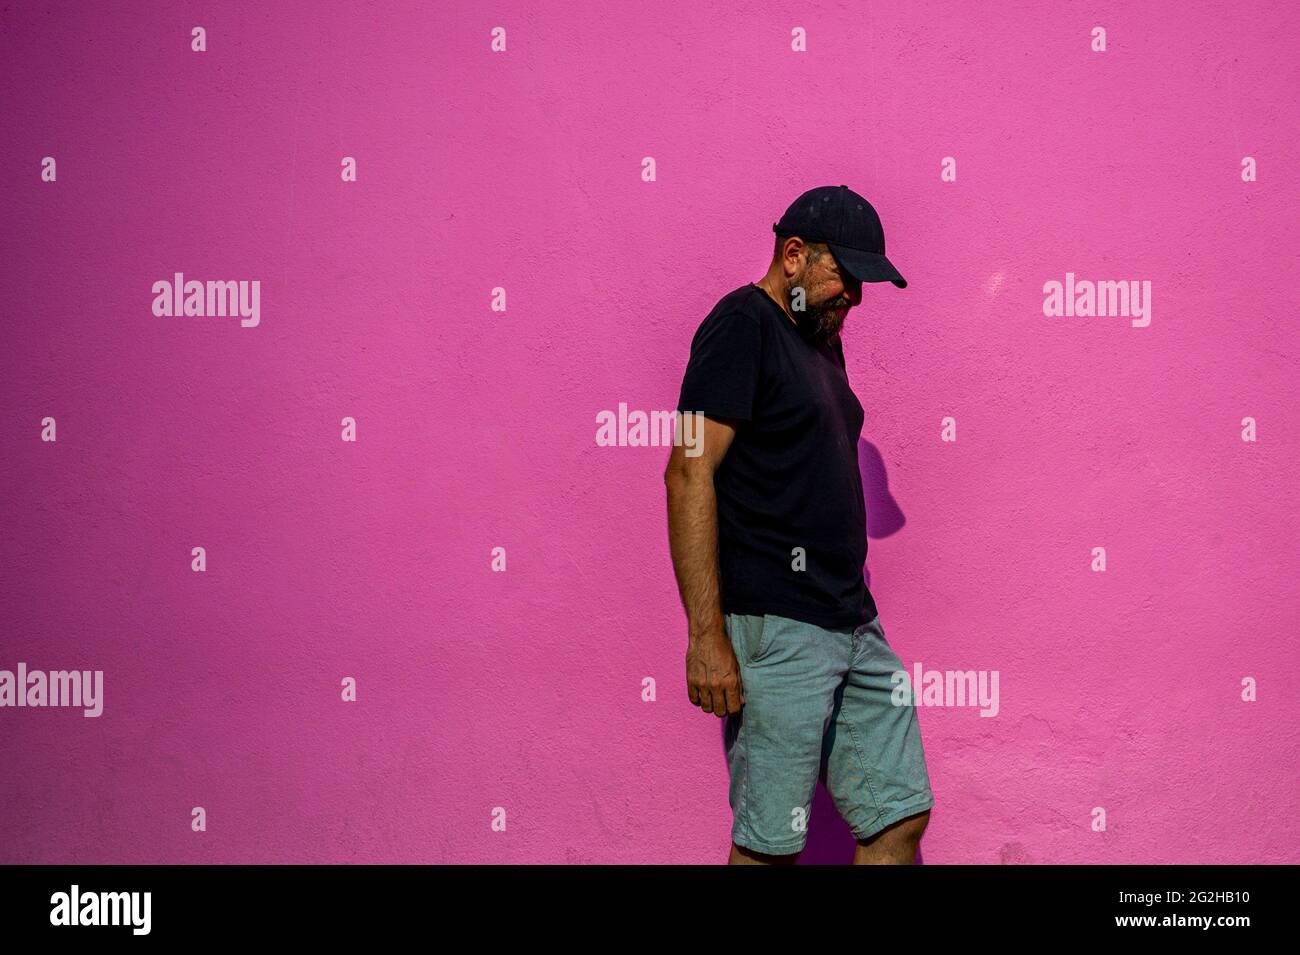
x: 830, y: 841
x: 884, y: 516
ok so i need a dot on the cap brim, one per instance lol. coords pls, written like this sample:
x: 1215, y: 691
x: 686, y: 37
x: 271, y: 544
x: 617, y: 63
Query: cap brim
x: 867, y: 266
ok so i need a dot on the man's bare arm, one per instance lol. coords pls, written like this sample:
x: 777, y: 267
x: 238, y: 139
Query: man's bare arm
x: 713, y: 674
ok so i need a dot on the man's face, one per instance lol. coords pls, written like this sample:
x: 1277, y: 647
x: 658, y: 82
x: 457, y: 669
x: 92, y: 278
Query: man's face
x: 829, y: 293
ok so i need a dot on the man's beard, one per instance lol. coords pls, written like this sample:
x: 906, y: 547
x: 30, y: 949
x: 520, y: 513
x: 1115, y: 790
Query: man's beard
x: 822, y: 324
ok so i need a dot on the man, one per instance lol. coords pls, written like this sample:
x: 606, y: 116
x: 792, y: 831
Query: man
x: 767, y: 528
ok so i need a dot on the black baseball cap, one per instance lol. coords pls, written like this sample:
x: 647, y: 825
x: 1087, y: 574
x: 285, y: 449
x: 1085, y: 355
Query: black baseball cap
x: 839, y: 217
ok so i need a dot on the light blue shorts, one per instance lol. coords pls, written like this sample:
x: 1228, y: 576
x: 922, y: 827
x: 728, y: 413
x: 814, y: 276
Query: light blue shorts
x: 818, y: 705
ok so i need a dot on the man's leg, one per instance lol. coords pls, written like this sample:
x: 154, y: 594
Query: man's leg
x: 790, y: 671
x: 873, y: 759
x: 893, y: 845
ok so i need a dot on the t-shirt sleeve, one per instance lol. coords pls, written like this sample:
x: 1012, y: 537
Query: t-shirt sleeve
x: 722, y: 375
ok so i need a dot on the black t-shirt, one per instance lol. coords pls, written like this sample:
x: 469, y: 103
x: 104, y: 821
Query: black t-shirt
x: 790, y: 478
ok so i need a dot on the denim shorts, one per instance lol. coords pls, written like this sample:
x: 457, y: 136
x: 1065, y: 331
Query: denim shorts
x: 818, y: 705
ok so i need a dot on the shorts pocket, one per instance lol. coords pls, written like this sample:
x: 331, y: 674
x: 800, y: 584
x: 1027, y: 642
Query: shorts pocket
x: 750, y: 634
x: 762, y: 637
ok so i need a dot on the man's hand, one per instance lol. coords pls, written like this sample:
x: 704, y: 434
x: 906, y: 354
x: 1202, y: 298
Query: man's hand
x: 713, y: 675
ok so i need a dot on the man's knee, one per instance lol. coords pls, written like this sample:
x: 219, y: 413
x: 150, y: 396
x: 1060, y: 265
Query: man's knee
x: 919, y: 821
x: 742, y: 855
x: 914, y: 826
x: 905, y: 830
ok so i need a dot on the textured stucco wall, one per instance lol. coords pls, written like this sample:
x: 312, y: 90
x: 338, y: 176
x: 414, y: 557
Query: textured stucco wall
x: 522, y: 169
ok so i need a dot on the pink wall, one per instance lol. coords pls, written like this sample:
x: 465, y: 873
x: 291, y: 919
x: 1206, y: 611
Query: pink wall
x: 475, y: 428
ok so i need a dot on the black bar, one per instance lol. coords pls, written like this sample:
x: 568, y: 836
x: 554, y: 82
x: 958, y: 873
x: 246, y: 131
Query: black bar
x: 904, y: 903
